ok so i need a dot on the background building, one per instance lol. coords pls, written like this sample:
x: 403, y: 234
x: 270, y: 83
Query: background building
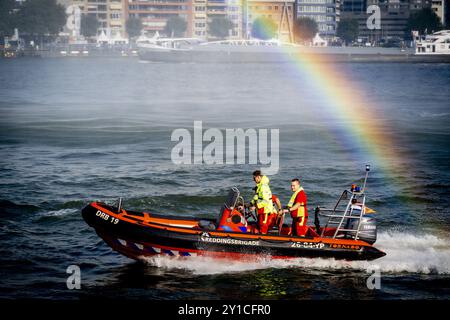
x: 155, y: 13
x: 353, y: 5
x: 416, y: 4
x: 234, y: 13
x: 280, y: 11
x: 439, y: 7
x: 394, y: 16
x: 200, y: 19
x: 205, y: 10
x: 111, y: 14
x: 325, y: 12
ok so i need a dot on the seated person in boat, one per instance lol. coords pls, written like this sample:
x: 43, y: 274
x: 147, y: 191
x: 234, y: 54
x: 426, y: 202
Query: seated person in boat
x: 279, y: 210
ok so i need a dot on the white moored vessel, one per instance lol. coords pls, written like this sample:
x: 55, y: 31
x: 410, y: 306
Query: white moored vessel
x: 194, y: 50
x: 437, y: 43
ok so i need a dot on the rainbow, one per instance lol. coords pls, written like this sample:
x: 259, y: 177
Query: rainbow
x: 355, y: 122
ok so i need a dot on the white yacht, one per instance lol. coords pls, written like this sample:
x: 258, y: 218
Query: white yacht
x: 196, y: 50
x: 166, y: 44
x: 437, y: 43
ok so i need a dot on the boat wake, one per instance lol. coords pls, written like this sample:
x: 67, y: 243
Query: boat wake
x: 434, y: 115
x: 406, y: 253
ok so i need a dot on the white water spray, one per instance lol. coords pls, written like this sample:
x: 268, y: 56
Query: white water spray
x: 406, y: 253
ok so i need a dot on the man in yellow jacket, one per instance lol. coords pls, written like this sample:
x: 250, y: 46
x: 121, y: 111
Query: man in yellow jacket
x: 263, y: 202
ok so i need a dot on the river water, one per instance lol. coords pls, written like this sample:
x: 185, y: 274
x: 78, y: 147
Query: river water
x: 77, y: 130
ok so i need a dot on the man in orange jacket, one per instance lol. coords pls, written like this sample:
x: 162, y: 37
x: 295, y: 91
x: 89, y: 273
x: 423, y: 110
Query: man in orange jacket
x: 297, y: 208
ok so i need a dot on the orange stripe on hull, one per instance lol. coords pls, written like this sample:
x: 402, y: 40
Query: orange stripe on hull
x: 189, y: 225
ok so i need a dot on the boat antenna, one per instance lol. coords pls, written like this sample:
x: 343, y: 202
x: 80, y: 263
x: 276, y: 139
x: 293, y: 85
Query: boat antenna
x: 365, y: 179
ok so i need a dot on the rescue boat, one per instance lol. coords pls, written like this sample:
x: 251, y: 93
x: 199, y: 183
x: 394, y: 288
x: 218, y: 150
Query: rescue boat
x: 349, y: 232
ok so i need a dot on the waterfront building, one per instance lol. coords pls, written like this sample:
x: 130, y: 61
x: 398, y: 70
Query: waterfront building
x: 196, y: 13
x: 353, y: 5
x: 418, y: 4
x: 111, y: 14
x: 242, y: 14
x: 439, y: 7
x: 200, y: 19
x: 282, y: 12
x: 235, y: 14
x: 155, y: 13
x: 205, y: 10
x: 325, y: 12
x: 394, y: 17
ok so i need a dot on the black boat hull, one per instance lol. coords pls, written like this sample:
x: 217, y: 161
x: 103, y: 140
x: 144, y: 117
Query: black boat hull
x: 137, y: 239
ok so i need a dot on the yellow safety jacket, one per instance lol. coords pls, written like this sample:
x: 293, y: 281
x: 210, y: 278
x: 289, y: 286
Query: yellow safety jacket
x: 263, y: 196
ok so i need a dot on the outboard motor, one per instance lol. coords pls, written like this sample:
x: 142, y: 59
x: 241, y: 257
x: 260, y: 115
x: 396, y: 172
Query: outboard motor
x: 367, y: 229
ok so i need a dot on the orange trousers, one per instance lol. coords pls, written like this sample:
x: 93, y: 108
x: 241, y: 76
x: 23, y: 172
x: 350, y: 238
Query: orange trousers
x: 299, y: 227
x: 268, y: 224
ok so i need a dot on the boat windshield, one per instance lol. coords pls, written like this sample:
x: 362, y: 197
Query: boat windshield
x: 232, y: 198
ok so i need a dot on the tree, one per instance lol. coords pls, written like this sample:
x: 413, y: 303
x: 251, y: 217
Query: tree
x: 219, y: 27
x: 133, y: 27
x: 175, y: 26
x: 305, y: 29
x: 7, y: 17
x: 41, y: 17
x: 89, y: 25
x: 348, y: 29
x: 264, y: 28
x: 425, y: 19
